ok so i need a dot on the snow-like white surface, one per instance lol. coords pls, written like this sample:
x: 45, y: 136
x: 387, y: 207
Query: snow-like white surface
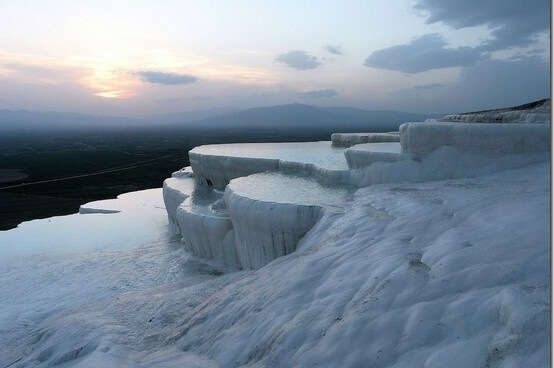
x: 271, y: 212
x: 175, y: 191
x: 378, y: 147
x: 185, y: 172
x: 539, y: 114
x: 198, y: 216
x: 206, y: 228
x: 216, y: 165
x: 404, y: 272
x: 351, y: 139
x: 363, y: 155
x: 447, y: 273
x: 261, y: 217
x: 484, y: 139
x: 445, y: 162
x: 450, y: 273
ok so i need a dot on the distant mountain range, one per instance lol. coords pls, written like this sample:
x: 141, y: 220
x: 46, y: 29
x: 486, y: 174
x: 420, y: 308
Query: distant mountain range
x: 13, y: 120
x: 299, y: 116
x: 291, y: 116
x: 192, y: 115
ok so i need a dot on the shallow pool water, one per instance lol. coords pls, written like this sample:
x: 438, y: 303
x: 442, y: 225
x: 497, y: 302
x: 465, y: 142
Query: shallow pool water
x: 281, y: 188
x: 321, y: 154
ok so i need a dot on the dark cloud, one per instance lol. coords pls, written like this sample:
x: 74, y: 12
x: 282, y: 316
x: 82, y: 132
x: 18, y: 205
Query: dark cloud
x: 298, y: 59
x: 424, y: 53
x: 320, y: 93
x: 513, y: 22
x: 166, y: 78
x: 490, y: 83
x: 336, y: 50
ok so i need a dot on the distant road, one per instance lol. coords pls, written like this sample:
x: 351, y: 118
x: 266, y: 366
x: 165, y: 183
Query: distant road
x: 105, y: 171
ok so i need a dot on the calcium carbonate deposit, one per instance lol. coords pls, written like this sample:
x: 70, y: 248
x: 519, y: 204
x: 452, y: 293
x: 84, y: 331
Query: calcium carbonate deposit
x: 428, y: 248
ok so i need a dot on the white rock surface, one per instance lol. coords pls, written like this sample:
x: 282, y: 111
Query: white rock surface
x: 267, y: 213
x: 351, y: 139
x: 271, y: 212
x: 445, y: 162
x: 216, y: 165
x: 185, y: 172
x: 197, y: 214
x: 519, y: 114
x: 440, y: 274
x: 175, y: 191
x: 403, y: 274
x: 484, y: 139
x: 451, y: 273
x: 363, y: 155
x: 206, y: 229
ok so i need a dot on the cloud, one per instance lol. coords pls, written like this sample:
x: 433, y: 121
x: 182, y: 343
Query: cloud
x: 428, y: 86
x: 336, y: 50
x: 514, y: 23
x: 490, y: 83
x: 166, y: 78
x: 182, y: 99
x: 319, y: 93
x: 299, y: 60
x: 496, y: 83
x: 424, y: 53
x: 418, y: 90
x: 42, y: 73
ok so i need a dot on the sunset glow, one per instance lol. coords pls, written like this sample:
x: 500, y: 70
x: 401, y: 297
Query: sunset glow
x: 91, y: 51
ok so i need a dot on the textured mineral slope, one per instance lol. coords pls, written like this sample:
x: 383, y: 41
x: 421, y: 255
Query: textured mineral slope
x: 533, y: 112
x: 428, y: 252
x: 445, y: 273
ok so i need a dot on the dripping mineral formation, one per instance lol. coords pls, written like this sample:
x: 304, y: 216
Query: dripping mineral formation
x: 247, y: 204
x: 426, y: 247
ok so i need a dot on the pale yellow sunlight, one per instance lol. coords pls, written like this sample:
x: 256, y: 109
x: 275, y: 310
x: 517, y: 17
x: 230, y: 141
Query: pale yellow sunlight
x: 109, y: 55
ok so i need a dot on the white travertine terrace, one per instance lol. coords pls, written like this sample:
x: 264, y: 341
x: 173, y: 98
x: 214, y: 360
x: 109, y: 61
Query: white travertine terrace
x: 175, y: 191
x: 363, y: 155
x: 274, y: 193
x: 443, y: 263
x: 486, y: 139
x: 538, y: 113
x: 208, y: 227
x: 217, y: 165
x: 271, y: 212
x: 351, y: 139
x: 185, y: 172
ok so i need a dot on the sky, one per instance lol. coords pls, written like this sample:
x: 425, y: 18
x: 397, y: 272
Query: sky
x: 136, y: 58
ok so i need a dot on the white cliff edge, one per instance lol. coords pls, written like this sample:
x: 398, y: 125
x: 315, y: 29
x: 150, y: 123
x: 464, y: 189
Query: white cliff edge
x: 263, y: 215
x: 534, y: 112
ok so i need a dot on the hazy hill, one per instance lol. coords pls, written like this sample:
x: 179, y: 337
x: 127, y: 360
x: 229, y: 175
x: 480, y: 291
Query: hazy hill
x: 299, y: 116
x: 191, y: 115
x: 292, y: 116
